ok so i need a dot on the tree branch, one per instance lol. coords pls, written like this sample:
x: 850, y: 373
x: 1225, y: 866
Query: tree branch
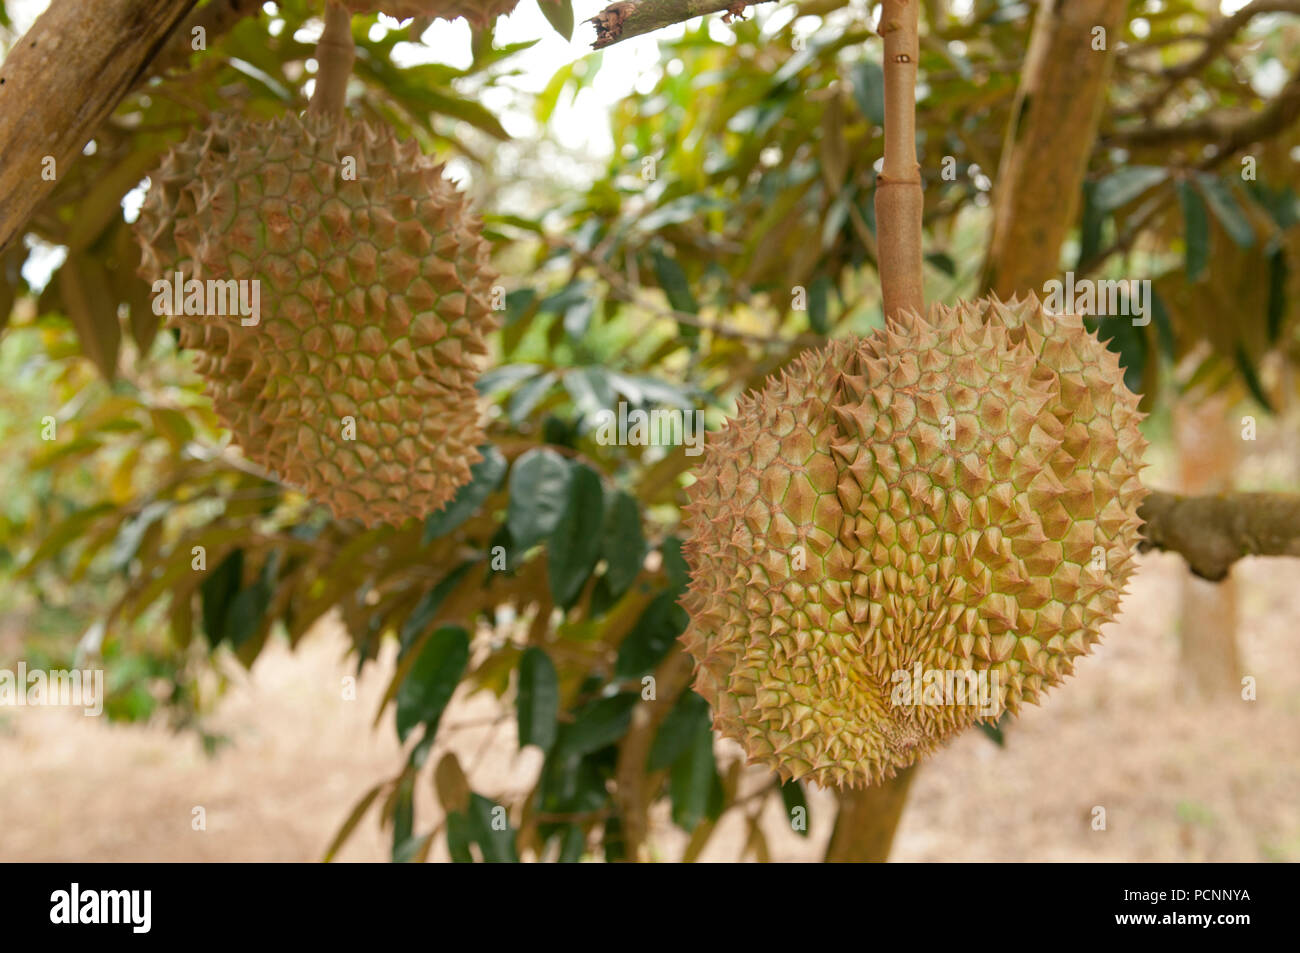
x: 63, y: 79
x: 629, y: 18
x: 1213, y: 532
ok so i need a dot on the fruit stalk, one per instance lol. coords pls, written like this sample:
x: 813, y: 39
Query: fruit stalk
x: 898, y: 187
x: 335, y: 53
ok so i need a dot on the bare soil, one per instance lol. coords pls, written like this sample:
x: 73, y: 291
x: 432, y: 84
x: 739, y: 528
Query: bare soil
x: 1178, y: 779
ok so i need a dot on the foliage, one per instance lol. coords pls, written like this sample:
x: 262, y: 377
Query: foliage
x: 741, y: 179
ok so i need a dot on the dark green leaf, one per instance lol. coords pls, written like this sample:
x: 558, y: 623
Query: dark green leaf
x: 1125, y: 184
x: 678, y: 729
x: 427, y: 608
x: 653, y: 635
x: 539, y: 493
x: 692, y: 778
x: 484, y: 479
x: 1196, y: 229
x: 1278, y: 270
x: 428, y: 687
x: 598, y: 724
x: 793, y: 797
x: 403, y: 816
x: 1251, y: 377
x: 818, y: 295
x: 1226, y: 209
x: 539, y: 699
x: 623, y: 546
x: 496, y: 841
x: 459, y: 836
x: 574, y: 545
x: 217, y: 592
x: 675, y: 563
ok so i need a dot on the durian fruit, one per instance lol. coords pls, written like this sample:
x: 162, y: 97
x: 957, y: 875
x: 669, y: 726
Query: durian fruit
x: 357, y: 384
x: 479, y: 13
x: 953, y: 494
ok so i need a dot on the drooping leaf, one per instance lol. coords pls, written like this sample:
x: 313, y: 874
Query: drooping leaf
x: 574, y: 545
x: 677, y: 730
x: 653, y: 635
x: 424, y: 693
x: 539, y: 699
x: 692, y: 779
x: 1196, y: 230
x: 623, y: 545
x: 1226, y: 209
x: 217, y: 592
x: 559, y: 14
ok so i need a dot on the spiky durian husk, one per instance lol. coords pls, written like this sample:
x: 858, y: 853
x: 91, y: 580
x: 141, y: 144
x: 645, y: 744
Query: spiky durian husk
x: 374, y: 287
x: 941, y: 494
x: 478, y: 12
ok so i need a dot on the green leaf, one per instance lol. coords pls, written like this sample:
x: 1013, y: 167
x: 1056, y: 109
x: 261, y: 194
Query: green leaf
x: 818, y: 295
x: 590, y: 389
x: 675, y: 565
x: 672, y: 279
x: 497, y: 843
x: 793, y: 797
x: 403, y: 817
x: 217, y: 592
x: 692, y: 778
x: 653, y: 635
x: 526, y: 398
x: 92, y: 308
x: 573, y: 846
x: 679, y: 727
x: 943, y: 262
x: 1124, y: 185
x: 1278, y: 271
x: 574, y: 545
x: 460, y: 835
x: 427, y: 608
x: 559, y: 14
x: 429, y: 685
x: 539, y: 493
x: 869, y: 90
x: 1251, y: 377
x: 1226, y: 209
x: 1196, y: 229
x: 623, y: 546
x: 598, y: 724
x: 1091, y: 221
x: 484, y: 479
x: 249, y: 608
x: 539, y: 699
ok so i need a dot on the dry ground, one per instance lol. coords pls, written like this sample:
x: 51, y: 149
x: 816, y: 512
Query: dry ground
x: 1178, y: 780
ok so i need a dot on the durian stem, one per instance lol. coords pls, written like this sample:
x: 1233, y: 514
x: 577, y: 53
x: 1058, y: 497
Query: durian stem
x: 868, y: 817
x: 1213, y: 532
x: 898, y: 187
x: 335, y: 53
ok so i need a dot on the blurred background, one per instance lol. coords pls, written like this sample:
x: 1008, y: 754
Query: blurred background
x: 674, y: 219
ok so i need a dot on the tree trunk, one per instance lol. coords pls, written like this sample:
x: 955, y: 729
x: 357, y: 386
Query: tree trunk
x: 1209, y: 666
x: 1053, y: 129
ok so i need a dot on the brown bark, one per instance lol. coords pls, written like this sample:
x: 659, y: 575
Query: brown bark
x: 63, y: 79
x: 1213, y: 532
x: 865, y: 825
x: 629, y: 18
x: 1207, y: 455
x: 1059, y: 107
